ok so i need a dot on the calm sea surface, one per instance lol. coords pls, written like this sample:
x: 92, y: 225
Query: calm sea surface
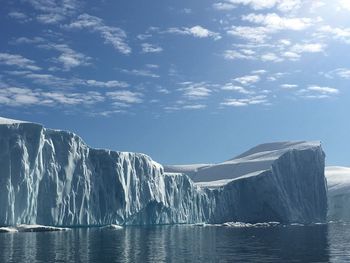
x: 318, y: 243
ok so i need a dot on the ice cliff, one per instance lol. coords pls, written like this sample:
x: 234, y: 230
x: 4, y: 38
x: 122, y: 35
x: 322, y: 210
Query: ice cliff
x: 52, y: 177
x: 338, y: 179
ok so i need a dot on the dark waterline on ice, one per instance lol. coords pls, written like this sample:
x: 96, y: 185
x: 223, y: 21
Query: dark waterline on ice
x: 179, y: 243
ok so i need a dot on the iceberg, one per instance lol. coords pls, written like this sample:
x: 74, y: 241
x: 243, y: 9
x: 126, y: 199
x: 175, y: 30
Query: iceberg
x: 281, y: 182
x: 338, y: 180
x: 53, y: 178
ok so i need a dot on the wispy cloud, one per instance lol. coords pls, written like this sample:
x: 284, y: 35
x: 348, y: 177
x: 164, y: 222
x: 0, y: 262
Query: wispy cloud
x: 106, y: 84
x: 26, y: 40
x: 289, y: 86
x: 195, y: 31
x: 194, y: 107
x: 112, y: 35
x: 337, y: 33
x: 194, y: 90
x: 140, y: 72
x: 323, y: 90
x: 339, y: 72
x: 52, y: 11
x: 18, y: 61
x: 317, y: 92
x: 49, y: 80
x: 308, y: 48
x: 248, y: 79
x: 239, y: 89
x: 223, y: 6
x: 261, y: 99
x: 239, y: 54
x: 252, y: 34
x: 19, y: 97
x: 275, y: 22
x: 281, y: 5
x: 125, y: 96
x: 271, y: 57
x: 151, y: 48
x: 19, y: 16
x: 68, y: 57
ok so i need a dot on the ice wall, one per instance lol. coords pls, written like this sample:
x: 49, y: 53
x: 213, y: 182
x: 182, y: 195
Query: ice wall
x: 52, y: 177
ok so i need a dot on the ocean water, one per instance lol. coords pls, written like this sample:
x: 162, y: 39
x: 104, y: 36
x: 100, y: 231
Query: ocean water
x: 180, y: 243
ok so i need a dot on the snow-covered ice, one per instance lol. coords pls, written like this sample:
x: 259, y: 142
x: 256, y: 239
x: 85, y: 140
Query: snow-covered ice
x: 51, y: 177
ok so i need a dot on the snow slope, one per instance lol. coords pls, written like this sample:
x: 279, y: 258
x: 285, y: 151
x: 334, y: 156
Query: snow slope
x: 338, y: 180
x: 51, y: 177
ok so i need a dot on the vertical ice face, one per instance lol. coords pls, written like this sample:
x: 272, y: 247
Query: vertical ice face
x: 338, y: 179
x: 52, y: 177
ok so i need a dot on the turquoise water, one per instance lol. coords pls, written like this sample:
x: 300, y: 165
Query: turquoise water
x: 317, y: 243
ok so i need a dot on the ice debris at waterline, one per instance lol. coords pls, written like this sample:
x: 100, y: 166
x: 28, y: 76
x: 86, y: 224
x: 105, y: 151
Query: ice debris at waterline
x: 31, y: 228
x: 52, y: 177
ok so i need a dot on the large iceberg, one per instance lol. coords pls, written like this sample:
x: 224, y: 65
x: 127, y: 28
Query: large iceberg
x: 338, y: 179
x: 271, y: 182
x: 51, y: 177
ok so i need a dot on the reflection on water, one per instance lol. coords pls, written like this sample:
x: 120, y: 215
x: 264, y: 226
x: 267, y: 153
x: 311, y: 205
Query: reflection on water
x: 321, y: 243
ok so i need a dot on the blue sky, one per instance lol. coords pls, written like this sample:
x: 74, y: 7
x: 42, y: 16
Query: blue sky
x: 183, y: 81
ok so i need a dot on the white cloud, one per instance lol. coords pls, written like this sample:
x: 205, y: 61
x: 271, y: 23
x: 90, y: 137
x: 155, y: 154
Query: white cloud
x: 150, y: 48
x: 21, y: 17
x: 26, y: 40
x: 253, y: 34
x: 241, y: 54
x: 194, y: 107
x: 285, y: 42
x: 195, y: 31
x: 248, y: 79
x: 281, y: 5
x: 259, y: 71
x: 261, y: 99
x: 19, y: 97
x: 342, y: 34
x: 18, y: 61
x: 223, y: 6
x: 107, y: 84
x: 345, y: 4
x: 341, y: 72
x: 54, y: 11
x: 275, y: 22
x: 125, y: 96
x: 323, y: 90
x: 291, y: 55
x: 195, y: 91
x: 52, y: 81
x: 289, y: 86
x: 112, y: 35
x: 140, y: 72
x: 268, y: 57
x: 308, y: 48
x: 68, y: 57
x: 50, y: 18
x: 239, y: 89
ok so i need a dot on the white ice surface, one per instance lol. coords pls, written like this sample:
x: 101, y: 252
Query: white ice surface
x: 9, y: 121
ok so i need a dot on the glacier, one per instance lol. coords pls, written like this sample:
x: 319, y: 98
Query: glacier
x: 52, y: 177
x: 338, y: 180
